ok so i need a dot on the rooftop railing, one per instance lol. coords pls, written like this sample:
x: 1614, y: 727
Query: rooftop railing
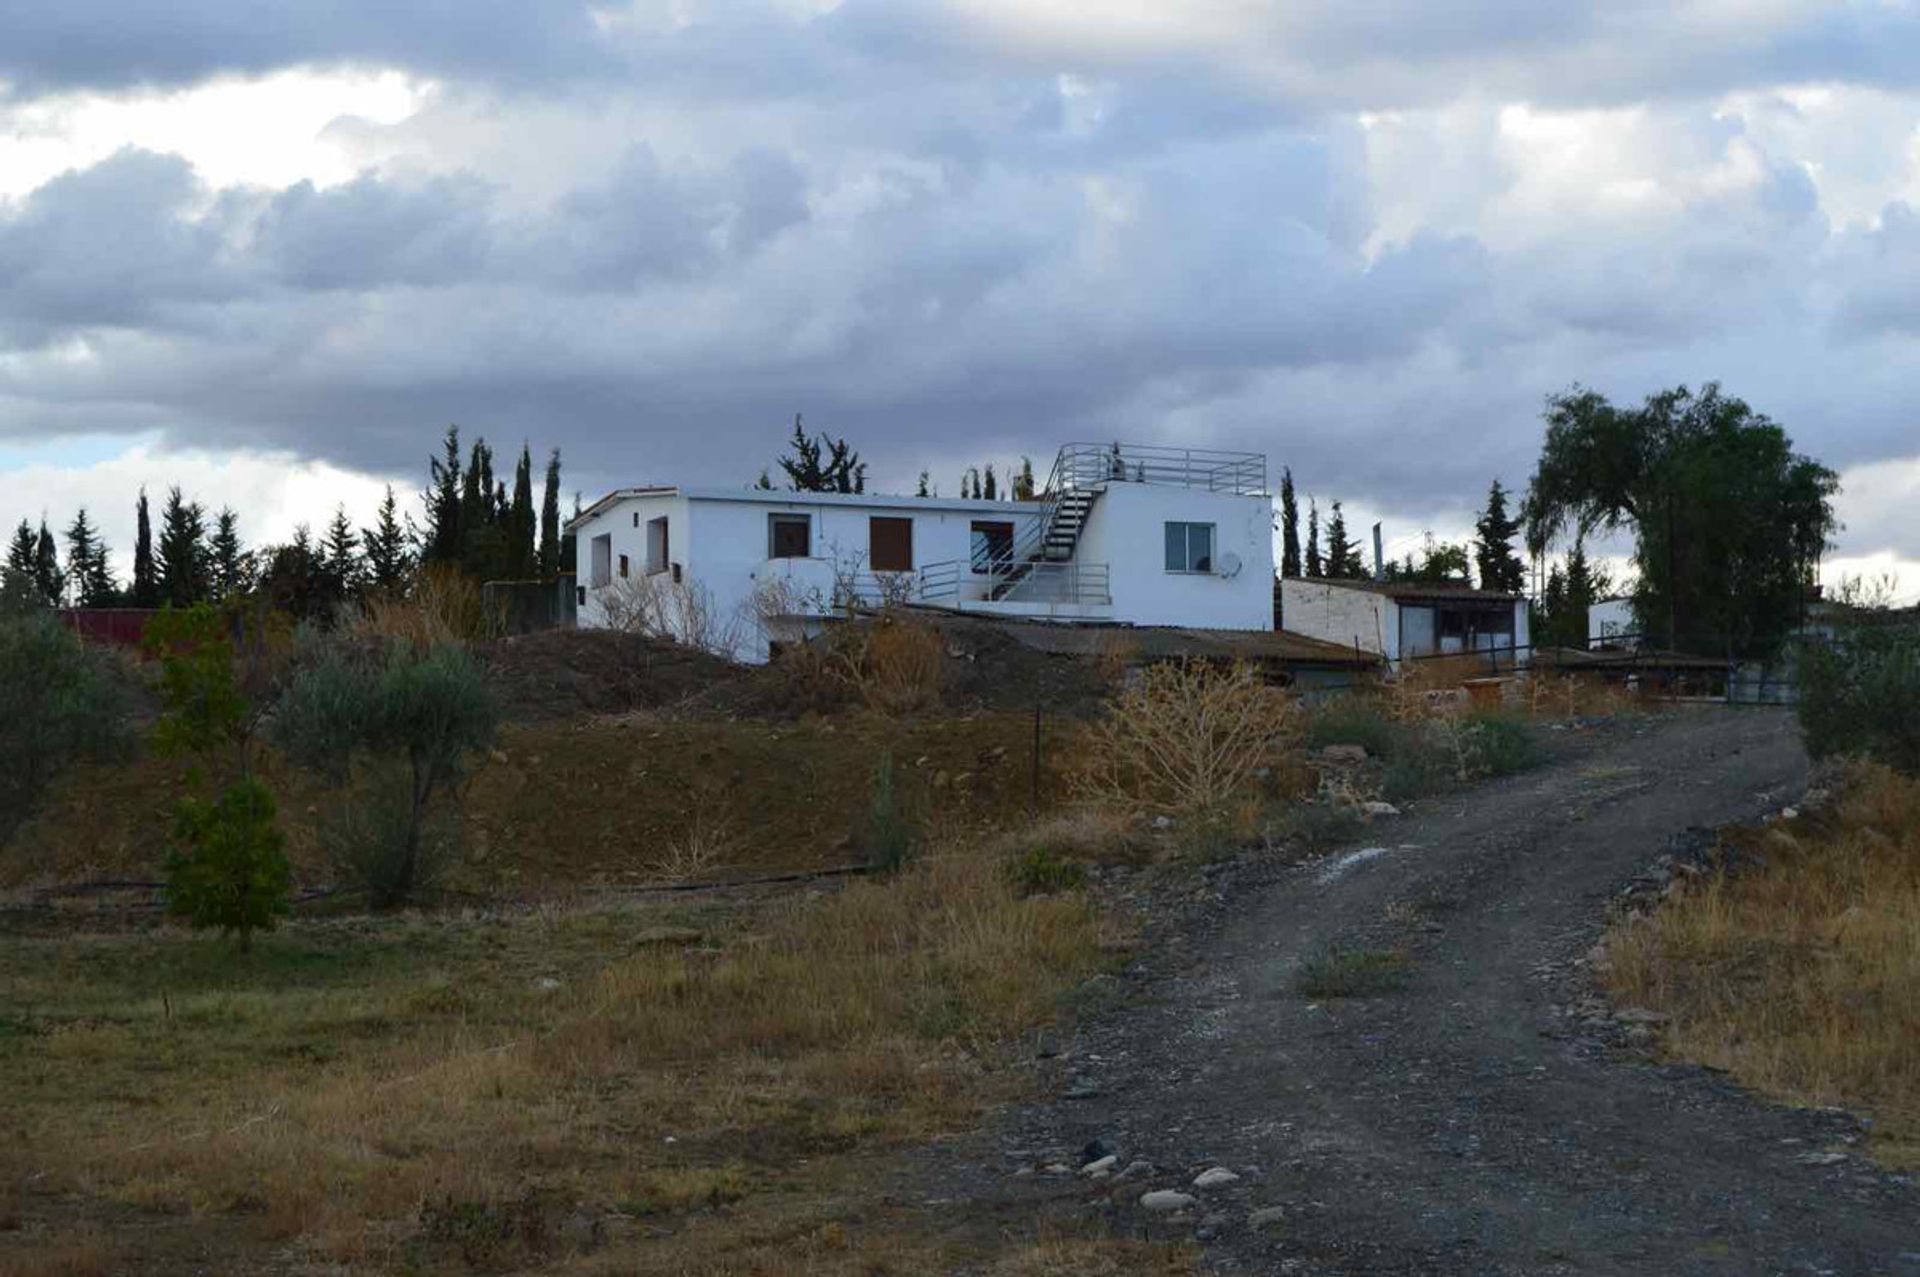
x: 1095, y: 465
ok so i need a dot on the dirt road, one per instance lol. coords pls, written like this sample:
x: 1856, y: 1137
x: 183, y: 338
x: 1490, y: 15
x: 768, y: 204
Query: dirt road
x: 1466, y: 1123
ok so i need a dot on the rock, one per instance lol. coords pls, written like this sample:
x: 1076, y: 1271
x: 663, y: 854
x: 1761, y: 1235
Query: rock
x: 1378, y: 808
x: 1165, y: 1201
x: 1095, y: 1149
x: 1789, y: 813
x: 1266, y: 1217
x: 1163, y: 822
x: 1344, y: 753
x: 1215, y: 1177
x: 1102, y: 1167
x: 1821, y: 1159
x: 1135, y: 1168
x: 1056, y: 1168
x: 1640, y: 1015
x: 545, y: 984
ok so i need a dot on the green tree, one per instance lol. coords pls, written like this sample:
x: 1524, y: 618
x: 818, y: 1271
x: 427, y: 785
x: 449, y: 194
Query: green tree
x: 291, y: 576
x: 388, y: 561
x: 48, y: 579
x: 1493, y: 554
x: 1289, y: 526
x: 146, y: 590
x: 1025, y: 486
x: 182, y: 578
x: 990, y: 485
x: 1314, y: 567
x: 1343, y: 556
x: 230, y: 566
x: 341, y: 571
x: 822, y: 463
x: 61, y: 702
x: 446, y: 482
x: 23, y: 553
x: 924, y: 486
x: 521, y: 549
x: 1440, y: 562
x: 228, y: 864
x: 483, y: 541
x: 88, y: 568
x: 550, y: 518
x: 1729, y: 522
x: 425, y: 713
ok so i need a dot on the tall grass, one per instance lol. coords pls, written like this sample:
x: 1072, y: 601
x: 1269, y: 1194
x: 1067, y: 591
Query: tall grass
x: 1801, y: 976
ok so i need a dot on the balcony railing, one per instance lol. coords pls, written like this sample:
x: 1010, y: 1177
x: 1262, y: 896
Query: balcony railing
x: 1095, y: 465
x: 955, y: 584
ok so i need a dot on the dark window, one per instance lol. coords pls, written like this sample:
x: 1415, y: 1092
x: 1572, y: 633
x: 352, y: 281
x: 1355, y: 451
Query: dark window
x: 1189, y: 547
x: 623, y: 565
x: 890, y: 545
x: 790, y: 535
x: 992, y: 546
x: 657, y: 544
x: 600, y: 564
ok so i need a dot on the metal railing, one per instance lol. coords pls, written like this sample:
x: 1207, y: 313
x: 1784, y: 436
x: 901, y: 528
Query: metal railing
x: 1079, y: 584
x: 1095, y: 465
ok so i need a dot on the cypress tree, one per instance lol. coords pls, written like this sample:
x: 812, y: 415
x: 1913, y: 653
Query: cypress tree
x: 181, y: 580
x: 550, y: 516
x: 924, y: 488
x: 1500, y: 568
x: 1289, y: 526
x: 1313, y: 564
x: 521, y: 550
x: 146, y: 588
x: 1341, y: 559
x: 48, y: 579
x: 990, y: 486
x: 88, y: 570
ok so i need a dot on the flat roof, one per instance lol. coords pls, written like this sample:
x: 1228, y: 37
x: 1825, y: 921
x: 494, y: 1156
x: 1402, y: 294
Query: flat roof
x: 779, y: 497
x: 1404, y: 591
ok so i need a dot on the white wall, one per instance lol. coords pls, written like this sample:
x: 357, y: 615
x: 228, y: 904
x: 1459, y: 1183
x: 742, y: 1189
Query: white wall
x: 617, y: 523
x: 1127, y: 531
x: 1322, y: 610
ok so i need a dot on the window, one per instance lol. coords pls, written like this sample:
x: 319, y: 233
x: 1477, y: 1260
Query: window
x: 890, y: 545
x: 657, y: 544
x: 992, y: 546
x: 601, y: 560
x: 789, y: 536
x: 623, y: 566
x: 1189, y: 547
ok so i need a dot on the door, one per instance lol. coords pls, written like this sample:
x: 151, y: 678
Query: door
x: 890, y: 544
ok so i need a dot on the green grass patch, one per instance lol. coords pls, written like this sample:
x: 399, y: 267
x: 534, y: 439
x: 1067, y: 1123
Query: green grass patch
x: 1354, y: 973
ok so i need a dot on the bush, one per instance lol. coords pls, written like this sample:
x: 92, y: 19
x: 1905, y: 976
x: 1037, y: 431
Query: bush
x: 228, y: 868
x: 1042, y: 873
x: 371, y: 840
x: 1353, y: 973
x: 1352, y: 720
x: 1316, y: 827
x: 421, y: 711
x: 1499, y: 744
x: 60, y: 702
x: 1188, y: 738
x: 1860, y: 694
x: 890, y: 837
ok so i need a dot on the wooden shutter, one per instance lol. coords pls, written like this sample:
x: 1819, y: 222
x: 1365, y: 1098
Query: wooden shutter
x: 890, y: 545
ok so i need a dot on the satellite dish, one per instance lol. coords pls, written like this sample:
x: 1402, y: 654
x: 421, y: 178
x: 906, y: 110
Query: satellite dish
x: 1230, y: 564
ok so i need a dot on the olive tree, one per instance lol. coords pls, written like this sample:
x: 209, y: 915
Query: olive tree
x: 61, y: 702
x: 405, y: 721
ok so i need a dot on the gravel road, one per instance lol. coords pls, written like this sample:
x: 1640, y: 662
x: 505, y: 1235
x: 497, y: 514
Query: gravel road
x: 1469, y: 1122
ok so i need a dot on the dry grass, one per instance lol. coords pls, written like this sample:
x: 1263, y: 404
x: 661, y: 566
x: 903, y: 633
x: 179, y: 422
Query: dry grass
x: 900, y: 666
x: 442, y: 604
x: 1564, y: 697
x: 374, y: 1093
x: 1801, y: 976
x: 1190, y: 737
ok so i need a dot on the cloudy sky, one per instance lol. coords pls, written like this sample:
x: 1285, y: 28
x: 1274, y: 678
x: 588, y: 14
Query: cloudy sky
x: 270, y: 253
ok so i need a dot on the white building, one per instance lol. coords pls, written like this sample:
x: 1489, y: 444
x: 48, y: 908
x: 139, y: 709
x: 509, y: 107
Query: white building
x: 1610, y: 623
x: 1135, y: 535
x: 1402, y: 619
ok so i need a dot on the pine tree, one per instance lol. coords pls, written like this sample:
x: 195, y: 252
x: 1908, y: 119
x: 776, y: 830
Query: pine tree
x: 822, y: 463
x: 550, y: 516
x: 88, y: 568
x: 990, y: 486
x: 1500, y: 568
x: 1313, y: 565
x: 1023, y: 482
x: 146, y: 588
x: 925, y: 487
x: 340, y: 572
x: 1343, y: 558
x: 385, y: 548
x: 1289, y: 526
x: 181, y: 579
x: 440, y: 543
x: 1551, y: 610
x: 231, y: 566
x: 23, y: 553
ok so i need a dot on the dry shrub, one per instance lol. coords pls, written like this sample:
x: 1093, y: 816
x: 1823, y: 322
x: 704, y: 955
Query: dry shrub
x: 1116, y: 656
x: 679, y: 611
x: 441, y: 605
x: 1801, y: 975
x: 61, y: 1259
x: 1190, y: 737
x: 902, y: 666
x: 1570, y: 696
x: 711, y: 842
x: 1425, y: 688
